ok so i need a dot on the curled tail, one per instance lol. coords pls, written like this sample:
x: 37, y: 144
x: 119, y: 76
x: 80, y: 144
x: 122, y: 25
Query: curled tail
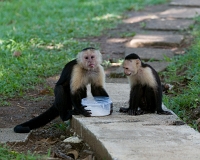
x: 37, y: 122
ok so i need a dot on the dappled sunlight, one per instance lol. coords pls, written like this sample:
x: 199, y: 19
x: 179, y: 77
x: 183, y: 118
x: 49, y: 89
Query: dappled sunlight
x: 140, y: 40
x: 149, y: 37
x: 139, y: 18
x: 181, y: 12
x: 51, y: 47
x: 107, y: 17
x: 116, y: 40
x: 1, y: 41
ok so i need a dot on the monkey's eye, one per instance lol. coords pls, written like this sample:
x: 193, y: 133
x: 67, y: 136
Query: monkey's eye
x: 86, y: 57
x: 92, y: 57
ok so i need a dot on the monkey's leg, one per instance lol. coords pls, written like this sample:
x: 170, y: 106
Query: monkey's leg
x: 63, y: 102
x: 135, y: 96
x: 154, y: 102
x: 76, y: 101
x: 98, y: 91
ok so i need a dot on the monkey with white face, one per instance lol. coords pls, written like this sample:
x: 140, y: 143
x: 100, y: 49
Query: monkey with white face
x: 146, y: 89
x: 70, y: 89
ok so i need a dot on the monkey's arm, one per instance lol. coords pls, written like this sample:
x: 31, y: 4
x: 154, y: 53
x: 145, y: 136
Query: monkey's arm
x: 135, y: 96
x: 76, y: 98
x: 98, y: 90
x: 97, y: 84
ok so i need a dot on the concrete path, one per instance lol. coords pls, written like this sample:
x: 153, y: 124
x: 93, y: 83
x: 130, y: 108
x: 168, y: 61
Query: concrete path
x: 8, y: 135
x: 144, y: 137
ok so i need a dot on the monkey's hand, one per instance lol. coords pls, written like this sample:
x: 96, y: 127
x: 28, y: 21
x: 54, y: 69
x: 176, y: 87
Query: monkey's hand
x: 123, y: 110
x: 165, y: 113
x: 83, y: 111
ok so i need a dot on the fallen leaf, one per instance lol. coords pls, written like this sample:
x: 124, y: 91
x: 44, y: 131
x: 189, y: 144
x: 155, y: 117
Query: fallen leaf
x: 89, y: 157
x: 73, y: 139
x: 74, y: 154
x: 17, y: 53
x: 62, y: 155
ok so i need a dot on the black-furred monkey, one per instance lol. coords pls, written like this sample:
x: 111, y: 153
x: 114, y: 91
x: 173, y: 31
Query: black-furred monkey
x: 146, y: 89
x: 71, y: 88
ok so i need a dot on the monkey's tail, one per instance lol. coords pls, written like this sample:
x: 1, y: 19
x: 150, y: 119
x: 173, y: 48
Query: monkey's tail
x: 37, y: 122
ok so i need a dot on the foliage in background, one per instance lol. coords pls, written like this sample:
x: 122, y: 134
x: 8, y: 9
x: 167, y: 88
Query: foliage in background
x: 184, y: 74
x: 37, y: 38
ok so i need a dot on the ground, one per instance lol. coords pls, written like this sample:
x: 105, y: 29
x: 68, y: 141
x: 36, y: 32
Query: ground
x: 38, y: 100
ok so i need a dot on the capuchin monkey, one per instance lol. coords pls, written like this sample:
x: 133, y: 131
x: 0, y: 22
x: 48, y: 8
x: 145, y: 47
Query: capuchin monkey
x: 146, y: 89
x: 71, y: 88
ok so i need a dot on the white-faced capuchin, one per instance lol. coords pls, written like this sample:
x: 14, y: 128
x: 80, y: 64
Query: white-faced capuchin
x: 146, y: 89
x: 71, y: 88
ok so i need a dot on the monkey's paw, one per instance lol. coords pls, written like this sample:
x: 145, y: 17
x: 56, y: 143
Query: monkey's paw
x: 123, y: 110
x: 165, y: 113
x: 86, y: 113
x: 83, y: 111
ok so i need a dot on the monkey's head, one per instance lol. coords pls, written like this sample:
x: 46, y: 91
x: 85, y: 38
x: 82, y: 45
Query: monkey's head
x: 131, y: 64
x: 89, y: 58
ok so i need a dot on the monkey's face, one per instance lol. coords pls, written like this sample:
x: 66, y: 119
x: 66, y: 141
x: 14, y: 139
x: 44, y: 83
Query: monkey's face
x: 89, y: 59
x: 131, y: 67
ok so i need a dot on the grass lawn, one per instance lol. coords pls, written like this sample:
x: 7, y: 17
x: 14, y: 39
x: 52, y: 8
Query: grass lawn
x: 37, y: 38
x: 184, y: 74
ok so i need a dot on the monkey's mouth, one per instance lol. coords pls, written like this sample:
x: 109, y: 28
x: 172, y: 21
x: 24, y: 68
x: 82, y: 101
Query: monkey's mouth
x: 91, y: 65
x: 128, y: 74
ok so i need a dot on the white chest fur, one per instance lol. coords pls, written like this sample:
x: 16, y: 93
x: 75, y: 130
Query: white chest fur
x: 144, y: 76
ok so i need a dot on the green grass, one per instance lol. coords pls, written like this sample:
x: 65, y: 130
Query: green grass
x: 45, y: 34
x: 6, y: 154
x: 184, y: 74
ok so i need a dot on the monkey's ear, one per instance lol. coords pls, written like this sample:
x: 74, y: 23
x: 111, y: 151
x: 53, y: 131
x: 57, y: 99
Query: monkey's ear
x: 138, y: 62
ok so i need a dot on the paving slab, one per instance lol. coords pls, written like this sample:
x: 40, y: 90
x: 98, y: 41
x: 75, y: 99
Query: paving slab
x: 181, y: 13
x: 186, y: 3
x: 142, y: 40
x: 8, y: 135
x: 150, y: 53
x: 168, y: 24
x: 145, y: 137
x: 159, y: 66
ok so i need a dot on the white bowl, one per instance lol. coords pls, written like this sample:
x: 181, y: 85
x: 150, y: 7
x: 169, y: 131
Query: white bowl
x: 99, y: 106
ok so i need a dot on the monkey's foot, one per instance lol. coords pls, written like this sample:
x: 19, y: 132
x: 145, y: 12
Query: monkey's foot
x: 123, y: 110
x: 132, y: 112
x: 165, y: 113
x: 21, y: 129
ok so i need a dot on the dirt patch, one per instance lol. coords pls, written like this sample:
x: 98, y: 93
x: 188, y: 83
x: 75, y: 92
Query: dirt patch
x: 50, y: 139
